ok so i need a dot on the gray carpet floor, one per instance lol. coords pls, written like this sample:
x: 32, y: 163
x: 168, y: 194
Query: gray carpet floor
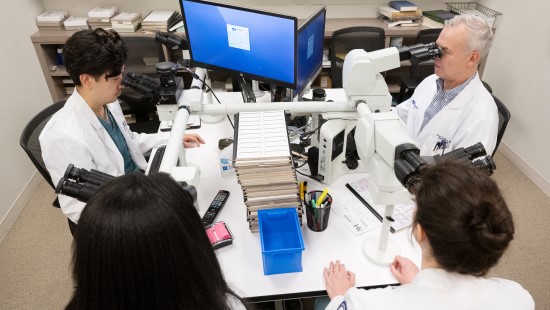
x: 35, y: 256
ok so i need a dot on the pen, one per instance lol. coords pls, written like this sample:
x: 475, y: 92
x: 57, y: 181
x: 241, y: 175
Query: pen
x: 323, y: 195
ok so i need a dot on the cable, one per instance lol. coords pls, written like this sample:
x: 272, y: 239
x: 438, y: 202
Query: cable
x: 306, y: 175
x: 306, y: 135
x: 196, y: 76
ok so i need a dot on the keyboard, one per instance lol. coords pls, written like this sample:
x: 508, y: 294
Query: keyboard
x: 155, y: 159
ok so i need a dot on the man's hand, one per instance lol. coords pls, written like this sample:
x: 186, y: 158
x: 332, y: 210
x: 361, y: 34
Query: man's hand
x: 337, y: 279
x: 192, y: 140
x: 403, y: 269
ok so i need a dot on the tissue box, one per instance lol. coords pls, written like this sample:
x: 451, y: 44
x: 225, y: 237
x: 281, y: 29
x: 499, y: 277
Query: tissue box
x: 281, y: 240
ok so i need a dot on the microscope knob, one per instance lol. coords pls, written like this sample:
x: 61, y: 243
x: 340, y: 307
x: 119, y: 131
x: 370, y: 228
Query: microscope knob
x: 351, y: 163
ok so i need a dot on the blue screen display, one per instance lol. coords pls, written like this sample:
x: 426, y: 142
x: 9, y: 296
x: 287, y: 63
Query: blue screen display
x: 310, y: 49
x: 259, y: 45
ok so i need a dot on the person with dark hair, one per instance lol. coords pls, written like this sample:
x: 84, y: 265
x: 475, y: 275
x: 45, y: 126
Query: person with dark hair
x: 140, y: 244
x: 463, y: 227
x: 90, y: 131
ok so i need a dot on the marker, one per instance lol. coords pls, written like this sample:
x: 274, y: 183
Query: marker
x: 313, y: 202
x: 301, y: 191
x: 323, y: 195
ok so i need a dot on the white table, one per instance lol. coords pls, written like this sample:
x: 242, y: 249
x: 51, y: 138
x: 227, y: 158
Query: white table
x: 241, y: 262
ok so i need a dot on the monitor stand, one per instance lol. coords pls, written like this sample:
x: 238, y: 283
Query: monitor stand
x: 261, y: 95
x: 252, y: 93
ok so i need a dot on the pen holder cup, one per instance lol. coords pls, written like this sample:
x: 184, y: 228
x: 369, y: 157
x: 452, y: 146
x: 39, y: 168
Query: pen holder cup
x: 317, y: 217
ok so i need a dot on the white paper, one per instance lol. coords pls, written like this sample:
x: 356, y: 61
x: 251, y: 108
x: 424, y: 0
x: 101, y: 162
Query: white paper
x: 238, y: 37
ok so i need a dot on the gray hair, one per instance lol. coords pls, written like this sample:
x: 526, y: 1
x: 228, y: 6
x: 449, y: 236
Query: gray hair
x: 480, y: 34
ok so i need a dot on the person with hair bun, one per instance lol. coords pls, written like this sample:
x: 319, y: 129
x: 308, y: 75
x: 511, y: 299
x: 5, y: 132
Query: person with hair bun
x: 463, y: 227
x: 140, y: 244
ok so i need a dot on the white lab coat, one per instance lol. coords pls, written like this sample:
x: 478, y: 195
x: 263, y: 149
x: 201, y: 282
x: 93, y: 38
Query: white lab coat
x: 438, y: 289
x: 471, y: 117
x: 75, y: 136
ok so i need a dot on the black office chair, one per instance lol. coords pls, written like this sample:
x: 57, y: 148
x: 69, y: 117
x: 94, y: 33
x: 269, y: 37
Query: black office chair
x: 30, y: 144
x: 347, y: 39
x: 144, y: 53
x: 503, y: 118
x: 418, y: 71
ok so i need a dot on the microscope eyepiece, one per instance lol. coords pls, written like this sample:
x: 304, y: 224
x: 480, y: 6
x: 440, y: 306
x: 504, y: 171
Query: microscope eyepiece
x: 486, y: 164
x: 81, y: 175
x: 420, y: 52
x: 83, y: 192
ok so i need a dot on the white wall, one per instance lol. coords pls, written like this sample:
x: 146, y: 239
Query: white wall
x: 517, y: 70
x: 24, y: 93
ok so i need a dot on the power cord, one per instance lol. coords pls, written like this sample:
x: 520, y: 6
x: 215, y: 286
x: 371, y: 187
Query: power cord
x: 196, y: 76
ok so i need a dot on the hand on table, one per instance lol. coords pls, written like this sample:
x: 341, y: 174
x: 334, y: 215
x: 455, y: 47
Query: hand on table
x: 337, y: 279
x: 403, y: 269
x: 192, y: 140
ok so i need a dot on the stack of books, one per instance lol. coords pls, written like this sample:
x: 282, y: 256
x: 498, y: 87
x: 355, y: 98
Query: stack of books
x: 100, y: 17
x: 263, y: 163
x: 126, y: 22
x: 51, y: 20
x: 436, y: 18
x: 76, y: 23
x: 160, y: 20
x: 400, y: 13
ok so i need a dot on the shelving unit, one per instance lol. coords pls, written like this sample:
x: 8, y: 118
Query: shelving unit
x: 46, y: 44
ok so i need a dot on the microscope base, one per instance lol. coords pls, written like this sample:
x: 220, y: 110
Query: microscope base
x: 212, y: 119
x: 372, y: 251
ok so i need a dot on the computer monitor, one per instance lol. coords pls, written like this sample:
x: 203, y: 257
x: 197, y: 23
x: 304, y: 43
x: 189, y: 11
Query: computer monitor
x: 251, y: 43
x: 311, y: 35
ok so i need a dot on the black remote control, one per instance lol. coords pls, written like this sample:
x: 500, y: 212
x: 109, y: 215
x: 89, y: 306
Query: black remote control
x: 215, y: 207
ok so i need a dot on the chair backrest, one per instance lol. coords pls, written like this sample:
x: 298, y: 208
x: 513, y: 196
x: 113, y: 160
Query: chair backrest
x: 144, y: 55
x: 29, y: 138
x: 424, y: 69
x: 347, y: 39
x: 425, y: 36
x: 503, y: 118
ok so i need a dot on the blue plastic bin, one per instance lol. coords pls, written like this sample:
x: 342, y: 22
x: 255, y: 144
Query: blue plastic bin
x: 281, y: 240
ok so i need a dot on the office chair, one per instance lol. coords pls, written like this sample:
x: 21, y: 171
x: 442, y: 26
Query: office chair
x: 503, y: 118
x: 144, y: 53
x: 346, y: 39
x: 418, y: 71
x: 30, y: 144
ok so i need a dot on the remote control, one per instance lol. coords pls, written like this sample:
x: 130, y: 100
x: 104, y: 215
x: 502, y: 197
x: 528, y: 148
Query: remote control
x: 215, y: 207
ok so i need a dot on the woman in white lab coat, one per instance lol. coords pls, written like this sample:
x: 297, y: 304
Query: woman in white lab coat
x: 452, y: 109
x: 463, y: 227
x: 90, y: 131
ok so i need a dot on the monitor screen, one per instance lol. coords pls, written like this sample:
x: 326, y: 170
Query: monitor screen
x: 311, y: 37
x: 241, y: 41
